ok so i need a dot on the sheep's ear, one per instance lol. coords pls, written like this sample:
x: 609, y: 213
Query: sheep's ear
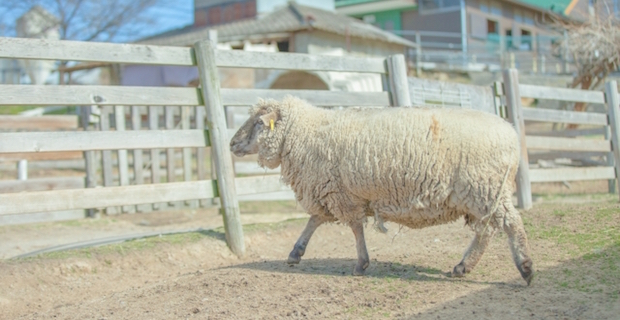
x: 269, y: 119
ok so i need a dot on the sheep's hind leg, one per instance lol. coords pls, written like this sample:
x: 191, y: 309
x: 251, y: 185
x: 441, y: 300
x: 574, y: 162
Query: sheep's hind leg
x: 474, y: 252
x: 513, y: 226
x: 362, y: 253
x: 300, y: 246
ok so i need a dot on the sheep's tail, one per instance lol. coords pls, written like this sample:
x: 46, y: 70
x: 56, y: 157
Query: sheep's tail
x: 497, y: 201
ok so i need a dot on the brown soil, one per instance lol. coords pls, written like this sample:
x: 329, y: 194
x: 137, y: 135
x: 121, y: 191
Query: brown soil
x: 196, y: 276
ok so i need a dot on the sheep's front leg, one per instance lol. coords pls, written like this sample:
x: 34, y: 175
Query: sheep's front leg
x: 362, y: 254
x: 300, y: 246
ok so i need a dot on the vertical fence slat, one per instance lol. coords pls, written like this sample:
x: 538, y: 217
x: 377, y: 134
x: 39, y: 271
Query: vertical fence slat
x: 170, y: 153
x: 201, y: 161
x: 611, y: 184
x: 187, y: 152
x: 613, y: 103
x: 90, y: 162
x: 138, y: 157
x: 515, y: 116
x: 399, y: 85
x: 216, y: 122
x: 123, y: 163
x: 106, y: 155
x: 153, y: 114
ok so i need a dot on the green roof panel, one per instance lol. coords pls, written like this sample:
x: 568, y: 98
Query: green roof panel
x: 553, y: 5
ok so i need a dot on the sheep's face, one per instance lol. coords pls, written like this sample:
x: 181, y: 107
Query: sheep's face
x: 245, y: 141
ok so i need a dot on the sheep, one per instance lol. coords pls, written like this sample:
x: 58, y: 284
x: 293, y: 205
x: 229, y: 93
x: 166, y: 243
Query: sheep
x: 416, y: 167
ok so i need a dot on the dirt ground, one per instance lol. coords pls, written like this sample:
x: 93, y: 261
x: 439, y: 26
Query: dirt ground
x: 574, y: 239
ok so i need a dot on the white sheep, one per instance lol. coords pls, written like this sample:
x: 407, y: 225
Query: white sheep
x: 416, y: 167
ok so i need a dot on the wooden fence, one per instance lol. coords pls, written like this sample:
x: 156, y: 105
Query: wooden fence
x: 215, y: 134
x: 566, y: 143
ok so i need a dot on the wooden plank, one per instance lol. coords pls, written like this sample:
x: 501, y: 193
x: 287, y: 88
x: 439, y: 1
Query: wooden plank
x: 138, y: 163
x: 21, y: 48
x: 105, y: 140
x: 90, y: 161
x: 22, y: 169
x: 297, y: 61
x: 169, y: 112
x: 273, y: 196
x: 515, y: 116
x: 15, y: 219
x: 123, y: 163
x: 399, y: 85
x: 187, y: 152
x: 572, y: 174
x: 18, y: 48
x: 570, y: 133
x: 42, y: 95
x: 55, y: 122
x: 613, y: 103
x: 561, y: 116
x: 248, y: 97
x: 534, y: 156
x: 567, y: 144
x: 106, y: 155
x: 210, y: 82
x: 201, y: 160
x: 561, y: 94
x: 609, y: 161
x: 41, y: 184
x: 153, y: 113
x: 41, y: 156
x: 57, y: 200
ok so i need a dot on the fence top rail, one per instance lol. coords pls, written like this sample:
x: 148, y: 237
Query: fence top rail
x: 165, y: 96
x: 20, y: 48
x: 562, y: 94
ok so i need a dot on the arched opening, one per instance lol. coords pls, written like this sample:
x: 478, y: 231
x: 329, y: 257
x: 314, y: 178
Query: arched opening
x: 299, y: 80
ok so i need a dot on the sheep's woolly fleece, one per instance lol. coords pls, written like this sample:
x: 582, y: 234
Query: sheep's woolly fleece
x: 413, y: 166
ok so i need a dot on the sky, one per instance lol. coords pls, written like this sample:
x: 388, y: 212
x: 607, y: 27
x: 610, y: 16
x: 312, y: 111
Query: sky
x: 172, y: 14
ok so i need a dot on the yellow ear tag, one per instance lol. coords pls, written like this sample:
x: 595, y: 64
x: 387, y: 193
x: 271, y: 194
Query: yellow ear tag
x: 271, y: 124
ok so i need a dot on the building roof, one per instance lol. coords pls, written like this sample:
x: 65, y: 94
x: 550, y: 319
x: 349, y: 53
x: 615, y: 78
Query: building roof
x: 291, y: 18
x: 557, y: 6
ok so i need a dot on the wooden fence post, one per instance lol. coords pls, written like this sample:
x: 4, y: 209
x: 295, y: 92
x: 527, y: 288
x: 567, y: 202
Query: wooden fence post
x: 397, y: 77
x: 90, y: 161
x: 218, y: 133
x: 613, y: 102
x: 515, y: 116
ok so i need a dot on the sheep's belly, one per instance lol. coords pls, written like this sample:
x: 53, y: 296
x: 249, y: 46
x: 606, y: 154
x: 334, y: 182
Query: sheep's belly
x: 421, y: 218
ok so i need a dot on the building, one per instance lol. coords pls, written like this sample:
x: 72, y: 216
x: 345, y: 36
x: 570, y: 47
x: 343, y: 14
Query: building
x: 291, y: 27
x: 478, y: 30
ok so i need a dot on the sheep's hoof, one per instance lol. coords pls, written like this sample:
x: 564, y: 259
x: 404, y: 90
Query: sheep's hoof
x: 360, y: 268
x: 459, y: 270
x: 295, y: 256
x: 526, y: 270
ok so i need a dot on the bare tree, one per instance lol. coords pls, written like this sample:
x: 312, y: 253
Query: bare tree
x: 86, y: 20
x: 594, y: 46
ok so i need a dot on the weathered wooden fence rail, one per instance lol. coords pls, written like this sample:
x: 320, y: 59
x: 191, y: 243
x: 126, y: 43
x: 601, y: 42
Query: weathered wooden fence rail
x: 212, y: 132
x: 605, y: 125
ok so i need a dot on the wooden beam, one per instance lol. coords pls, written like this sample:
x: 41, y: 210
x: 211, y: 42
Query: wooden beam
x: 40, y: 123
x: 399, y: 85
x: 41, y: 184
x: 216, y: 122
x: 561, y: 94
x: 613, y: 103
x: 561, y: 116
x: 40, y: 49
x: 515, y: 116
x: 101, y: 140
x: 42, y: 156
x: 297, y: 61
x: 248, y: 97
x: 42, y: 95
x: 572, y: 174
x: 567, y: 144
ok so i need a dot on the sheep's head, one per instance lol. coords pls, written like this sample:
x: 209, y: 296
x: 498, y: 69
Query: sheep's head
x: 259, y: 134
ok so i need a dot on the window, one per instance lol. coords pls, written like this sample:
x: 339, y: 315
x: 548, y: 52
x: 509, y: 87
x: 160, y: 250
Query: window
x: 491, y: 6
x: 438, y: 4
x: 526, y: 40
